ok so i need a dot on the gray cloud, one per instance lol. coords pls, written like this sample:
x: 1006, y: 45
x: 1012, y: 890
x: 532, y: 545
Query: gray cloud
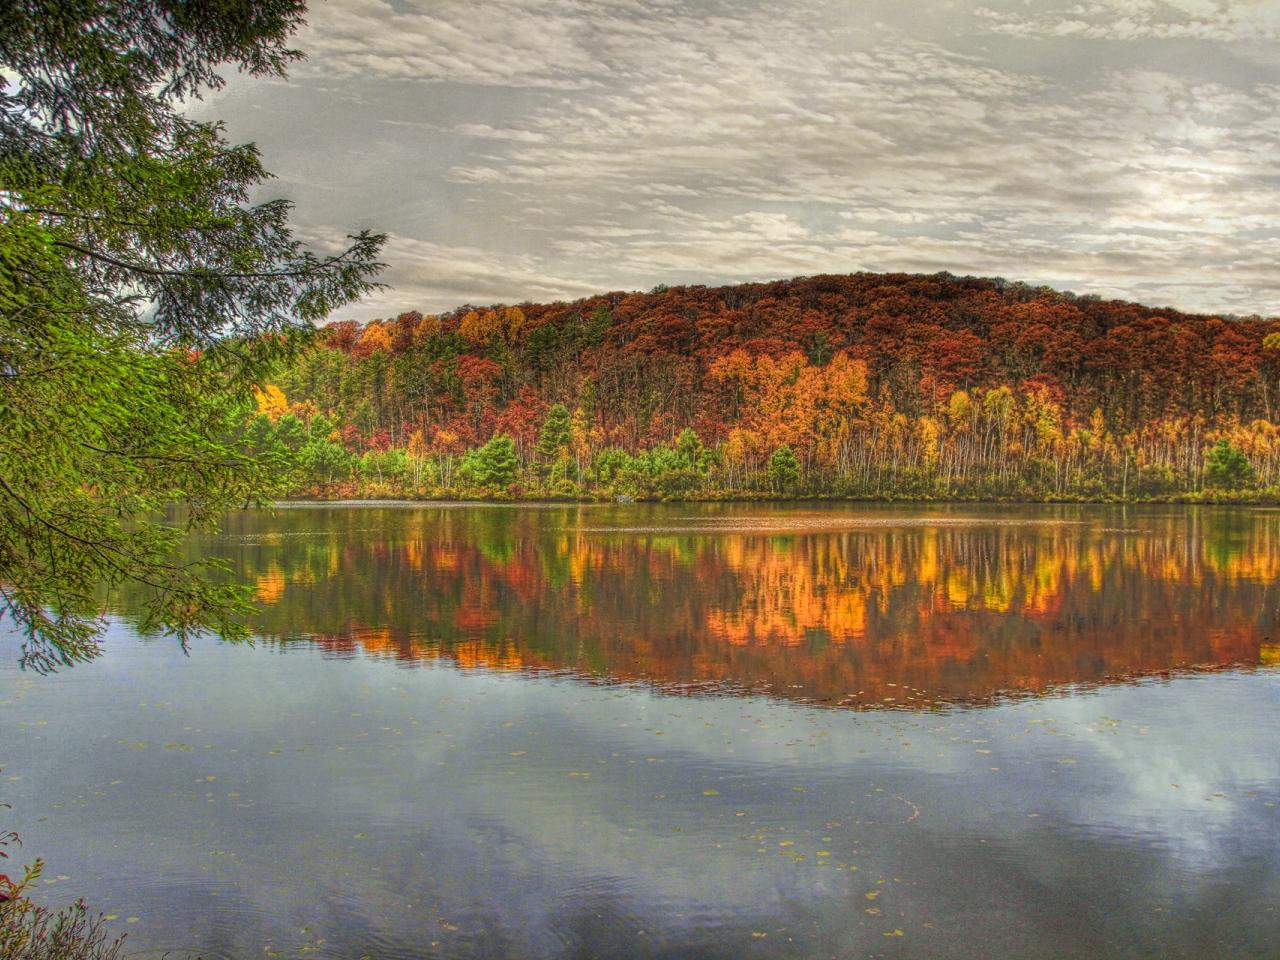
x: 533, y: 149
x: 1220, y: 20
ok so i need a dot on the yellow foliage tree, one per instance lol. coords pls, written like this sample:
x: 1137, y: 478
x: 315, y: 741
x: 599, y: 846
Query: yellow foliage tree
x: 374, y: 339
x: 271, y: 401
x: 427, y: 327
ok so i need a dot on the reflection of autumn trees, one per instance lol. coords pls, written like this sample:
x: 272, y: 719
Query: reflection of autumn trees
x: 916, y: 611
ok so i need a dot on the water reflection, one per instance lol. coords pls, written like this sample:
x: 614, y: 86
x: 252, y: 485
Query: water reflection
x: 860, y: 607
x: 311, y: 797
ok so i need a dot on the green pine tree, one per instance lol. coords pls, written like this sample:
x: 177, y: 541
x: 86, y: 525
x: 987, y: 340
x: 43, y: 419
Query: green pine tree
x: 554, y: 439
x: 1226, y: 467
x: 142, y: 295
x: 783, y: 470
x: 493, y: 465
x: 691, y: 449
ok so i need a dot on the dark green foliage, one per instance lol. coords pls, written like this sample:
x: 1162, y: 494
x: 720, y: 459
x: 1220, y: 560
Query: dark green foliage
x: 297, y: 454
x: 320, y: 427
x: 664, y: 472
x: 597, y: 327
x: 385, y: 466
x: 783, y: 470
x: 1155, y: 482
x: 260, y: 440
x: 291, y: 434
x: 493, y: 465
x: 541, y: 348
x: 677, y: 483
x: 554, y: 437
x: 324, y: 462
x: 692, y: 451
x: 141, y: 297
x: 609, y: 463
x: 1226, y: 467
x: 820, y: 350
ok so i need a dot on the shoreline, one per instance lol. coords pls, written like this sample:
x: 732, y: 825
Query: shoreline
x: 1260, y: 499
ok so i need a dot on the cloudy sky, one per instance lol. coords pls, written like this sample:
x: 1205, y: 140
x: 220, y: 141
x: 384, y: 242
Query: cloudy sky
x: 547, y: 149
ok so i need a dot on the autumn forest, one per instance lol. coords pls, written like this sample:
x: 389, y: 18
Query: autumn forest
x: 866, y: 385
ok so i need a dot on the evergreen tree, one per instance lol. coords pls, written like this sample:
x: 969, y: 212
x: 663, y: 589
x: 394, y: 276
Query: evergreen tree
x: 290, y: 433
x: 783, y: 470
x: 493, y: 465
x: 555, y: 437
x: 323, y: 461
x: 690, y: 447
x: 260, y: 438
x: 142, y: 295
x: 320, y: 427
x: 1226, y: 467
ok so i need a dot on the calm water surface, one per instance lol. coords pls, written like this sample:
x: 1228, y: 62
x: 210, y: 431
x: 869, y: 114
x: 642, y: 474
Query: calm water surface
x: 684, y: 732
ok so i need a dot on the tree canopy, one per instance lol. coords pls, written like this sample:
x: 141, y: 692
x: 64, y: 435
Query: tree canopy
x: 143, y: 294
x: 880, y: 385
x: 1226, y: 466
x: 492, y: 465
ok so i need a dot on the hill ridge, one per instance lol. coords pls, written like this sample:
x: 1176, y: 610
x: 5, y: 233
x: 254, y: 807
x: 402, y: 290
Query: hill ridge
x: 1071, y: 394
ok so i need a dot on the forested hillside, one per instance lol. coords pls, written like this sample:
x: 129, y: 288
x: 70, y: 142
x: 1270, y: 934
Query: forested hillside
x: 862, y: 385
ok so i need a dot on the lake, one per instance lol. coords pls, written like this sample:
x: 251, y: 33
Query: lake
x: 684, y: 731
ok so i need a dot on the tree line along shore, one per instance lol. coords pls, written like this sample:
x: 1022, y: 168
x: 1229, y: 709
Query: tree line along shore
x: 866, y: 386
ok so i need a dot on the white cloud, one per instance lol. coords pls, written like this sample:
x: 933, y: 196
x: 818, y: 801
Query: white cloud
x: 575, y: 145
x: 485, y: 132
x: 1227, y: 21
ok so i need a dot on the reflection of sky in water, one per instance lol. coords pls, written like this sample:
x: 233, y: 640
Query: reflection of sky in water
x: 385, y: 810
